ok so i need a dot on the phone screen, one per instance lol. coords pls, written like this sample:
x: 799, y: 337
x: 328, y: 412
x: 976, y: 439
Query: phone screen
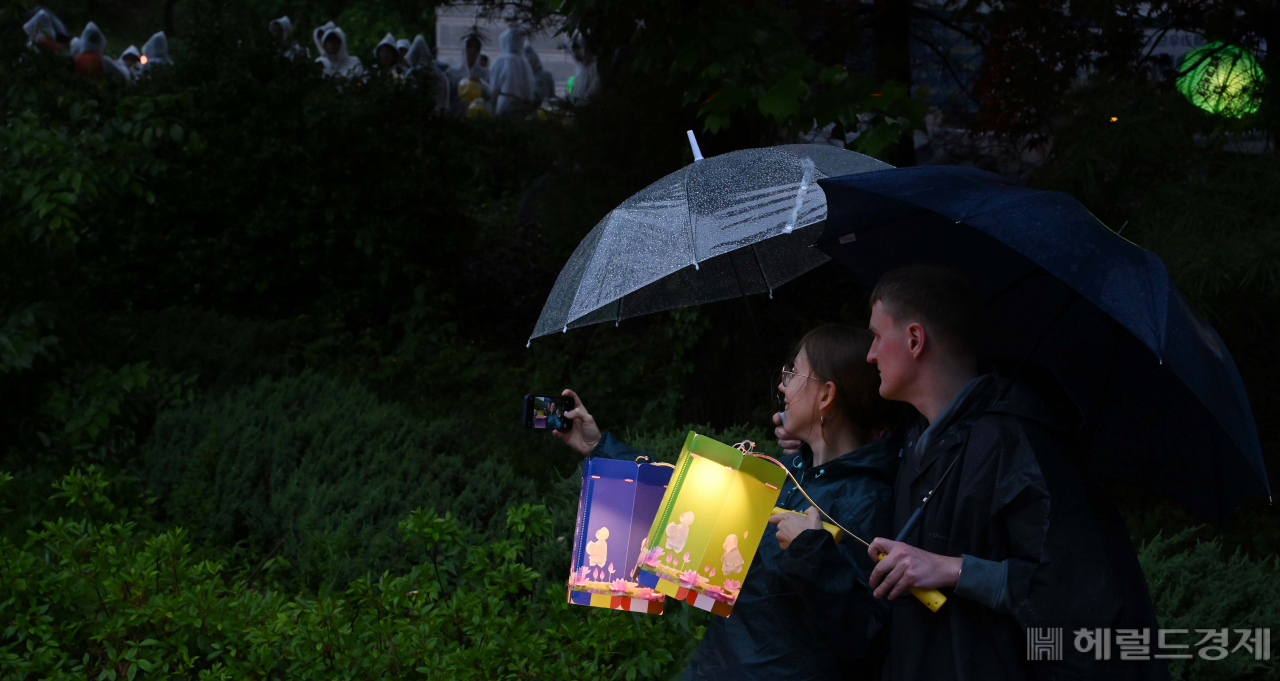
x: 546, y: 412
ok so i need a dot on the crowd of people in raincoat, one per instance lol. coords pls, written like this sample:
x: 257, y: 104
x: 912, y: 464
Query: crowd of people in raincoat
x: 513, y: 85
x: 88, y: 51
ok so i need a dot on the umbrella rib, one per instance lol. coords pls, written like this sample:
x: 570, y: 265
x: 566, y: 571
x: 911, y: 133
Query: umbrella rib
x: 693, y: 243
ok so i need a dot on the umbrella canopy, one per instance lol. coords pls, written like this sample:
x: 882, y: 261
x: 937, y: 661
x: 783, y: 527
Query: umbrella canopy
x: 726, y: 226
x: 1156, y: 389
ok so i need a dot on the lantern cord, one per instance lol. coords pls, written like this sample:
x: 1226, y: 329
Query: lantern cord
x: 807, y: 497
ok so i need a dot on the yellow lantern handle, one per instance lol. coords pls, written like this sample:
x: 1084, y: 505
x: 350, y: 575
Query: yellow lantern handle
x: 932, y: 598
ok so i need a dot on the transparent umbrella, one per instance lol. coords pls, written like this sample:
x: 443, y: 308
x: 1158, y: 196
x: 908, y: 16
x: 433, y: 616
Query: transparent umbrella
x: 727, y: 226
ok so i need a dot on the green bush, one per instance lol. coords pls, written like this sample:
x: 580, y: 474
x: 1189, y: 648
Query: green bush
x: 89, y: 596
x: 319, y: 470
x: 1194, y: 585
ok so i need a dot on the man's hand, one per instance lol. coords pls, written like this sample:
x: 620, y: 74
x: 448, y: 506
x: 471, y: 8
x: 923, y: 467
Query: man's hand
x: 790, y: 444
x: 906, y: 566
x: 790, y: 525
x: 585, y: 433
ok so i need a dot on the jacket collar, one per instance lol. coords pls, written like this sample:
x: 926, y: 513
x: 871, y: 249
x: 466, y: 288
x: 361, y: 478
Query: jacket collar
x: 992, y: 394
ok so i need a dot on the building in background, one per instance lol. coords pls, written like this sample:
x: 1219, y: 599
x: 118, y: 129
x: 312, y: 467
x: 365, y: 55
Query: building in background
x: 455, y: 21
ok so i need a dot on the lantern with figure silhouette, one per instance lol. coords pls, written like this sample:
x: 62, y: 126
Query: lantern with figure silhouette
x: 616, y: 506
x: 709, y: 524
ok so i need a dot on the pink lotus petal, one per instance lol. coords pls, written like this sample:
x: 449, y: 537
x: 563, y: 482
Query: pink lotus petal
x: 688, y: 578
x: 610, y: 568
x: 732, y: 585
x: 713, y: 572
x: 744, y: 534
x: 686, y: 556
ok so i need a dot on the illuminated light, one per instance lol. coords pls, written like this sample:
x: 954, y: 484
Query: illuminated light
x: 596, y: 477
x: 628, y: 480
x: 706, y: 518
x: 875, y: 94
x: 1221, y: 79
x: 1114, y: 119
x: 143, y: 60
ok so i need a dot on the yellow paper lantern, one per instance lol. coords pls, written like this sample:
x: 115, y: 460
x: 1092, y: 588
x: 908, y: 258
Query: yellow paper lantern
x: 478, y: 109
x: 469, y: 91
x: 709, y: 525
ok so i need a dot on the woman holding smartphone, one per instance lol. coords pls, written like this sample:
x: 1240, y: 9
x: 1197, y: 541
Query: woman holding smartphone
x: 805, y: 610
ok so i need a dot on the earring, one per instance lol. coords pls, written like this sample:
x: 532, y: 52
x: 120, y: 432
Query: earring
x: 822, y: 419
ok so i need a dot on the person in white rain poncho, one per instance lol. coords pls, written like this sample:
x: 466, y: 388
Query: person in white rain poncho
x: 131, y: 59
x: 422, y: 69
x: 544, y: 84
x: 337, y: 63
x: 282, y: 32
x: 511, y: 77
x: 91, y: 60
x: 468, y: 69
x: 317, y: 36
x: 587, y: 80
x: 403, y: 45
x: 388, y: 57
x: 42, y: 30
x: 155, y: 52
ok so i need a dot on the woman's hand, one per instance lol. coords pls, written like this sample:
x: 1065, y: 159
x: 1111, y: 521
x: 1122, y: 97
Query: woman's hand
x: 585, y: 434
x: 790, y: 525
x: 905, y: 566
x: 790, y: 444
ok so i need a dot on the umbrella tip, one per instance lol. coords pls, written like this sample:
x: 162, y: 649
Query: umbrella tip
x: 528, y: 342
x: 693, y: 144
x: 565, y: 329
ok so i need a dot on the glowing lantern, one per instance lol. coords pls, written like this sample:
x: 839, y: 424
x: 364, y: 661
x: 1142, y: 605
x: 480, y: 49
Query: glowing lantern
x: 478, y: 109
x: 1221, y: 79
x: 616, y: 506
x: 142, y: 59
x: 568, y: 85
x: 469, y: 90
x: 709, y: 524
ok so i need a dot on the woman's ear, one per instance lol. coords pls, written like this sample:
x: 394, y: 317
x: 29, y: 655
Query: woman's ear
x: 826, y: 396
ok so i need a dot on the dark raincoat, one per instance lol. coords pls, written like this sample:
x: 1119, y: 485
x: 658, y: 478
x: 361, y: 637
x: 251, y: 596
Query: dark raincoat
x: 1042, y: 549
x: 806, y: 612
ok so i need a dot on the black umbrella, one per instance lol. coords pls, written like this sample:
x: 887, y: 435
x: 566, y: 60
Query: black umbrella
x: 1154, y: 386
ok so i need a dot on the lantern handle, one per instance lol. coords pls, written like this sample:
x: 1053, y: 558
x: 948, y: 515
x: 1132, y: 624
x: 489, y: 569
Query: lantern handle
x: 932, y: 598
x: 810, y: 499
x: 747, y: 447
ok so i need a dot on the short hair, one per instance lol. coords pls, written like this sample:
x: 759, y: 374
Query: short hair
x: 939, y: 298
x: 838, y: 353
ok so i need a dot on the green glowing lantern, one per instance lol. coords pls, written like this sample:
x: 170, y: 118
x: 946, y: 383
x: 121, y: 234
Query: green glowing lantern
x: 1221, y: 79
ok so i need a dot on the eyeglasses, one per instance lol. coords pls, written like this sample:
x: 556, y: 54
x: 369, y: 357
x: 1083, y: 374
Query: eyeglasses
x: 788, y: 374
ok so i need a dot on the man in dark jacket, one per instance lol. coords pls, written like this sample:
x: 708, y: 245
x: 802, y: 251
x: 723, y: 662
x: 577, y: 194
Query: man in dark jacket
x: 805, y: 611
x: 1012, y: 534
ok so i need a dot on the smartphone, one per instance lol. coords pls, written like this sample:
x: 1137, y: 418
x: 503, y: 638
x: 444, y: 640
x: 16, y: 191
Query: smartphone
x: 545, y: 411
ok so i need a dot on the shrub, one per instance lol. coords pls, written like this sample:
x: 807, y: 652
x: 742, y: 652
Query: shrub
x: 91, y: 597
x: 319, y: 471
x: 1194, y: 585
